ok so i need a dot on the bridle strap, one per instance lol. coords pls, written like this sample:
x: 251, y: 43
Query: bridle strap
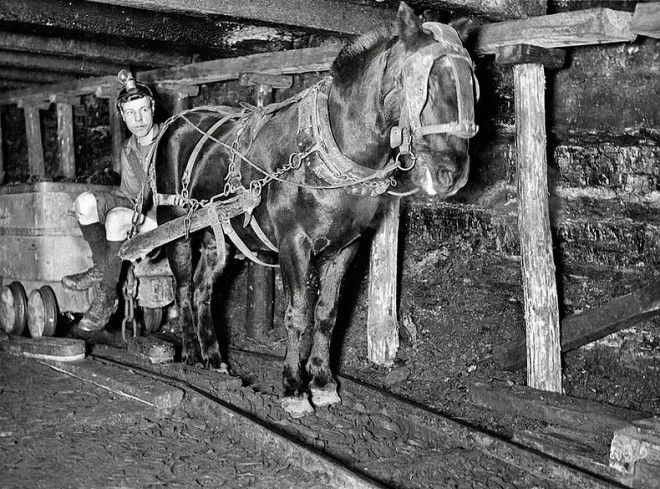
x: 459, y: 129
x: 417, y: 69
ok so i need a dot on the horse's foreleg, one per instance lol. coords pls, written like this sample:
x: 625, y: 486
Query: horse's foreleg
x: 179, y: 254
x: 296, y: 274
x: 331, y: 272
x: 208, y: 270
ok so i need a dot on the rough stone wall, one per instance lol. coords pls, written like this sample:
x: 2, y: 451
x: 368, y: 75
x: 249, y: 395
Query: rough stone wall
x: 604, y: 167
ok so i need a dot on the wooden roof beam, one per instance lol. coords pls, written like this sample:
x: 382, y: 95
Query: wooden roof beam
x: 138, y: 28
x: 580, y: 27
x: 559, y: 30
x: 347, y: 17
x: 91, y: 50
x: 55, y: 64
x: 38, y: 76
x: 279, y: 62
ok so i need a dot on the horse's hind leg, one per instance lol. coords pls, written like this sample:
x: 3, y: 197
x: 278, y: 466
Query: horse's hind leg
x: 179, y: 254
x: 294, y: 261
x: 322, y: 384
x: 208, y: 270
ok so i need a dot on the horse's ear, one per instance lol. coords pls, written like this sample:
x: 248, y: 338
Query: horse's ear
x: 408, y: 25
x: 465, y: 27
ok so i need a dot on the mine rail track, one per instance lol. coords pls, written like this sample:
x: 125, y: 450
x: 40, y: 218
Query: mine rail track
x: 372, y: 439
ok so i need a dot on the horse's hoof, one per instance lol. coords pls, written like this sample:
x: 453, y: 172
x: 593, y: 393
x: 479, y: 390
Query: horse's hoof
x: 325, y: 396
x: 297, y: 407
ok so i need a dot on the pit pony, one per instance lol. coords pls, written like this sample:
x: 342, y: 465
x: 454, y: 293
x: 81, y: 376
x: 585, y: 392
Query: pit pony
x: 310, y: 174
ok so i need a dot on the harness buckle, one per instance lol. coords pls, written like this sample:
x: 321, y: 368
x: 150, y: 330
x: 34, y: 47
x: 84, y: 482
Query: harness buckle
x: 401, y: 138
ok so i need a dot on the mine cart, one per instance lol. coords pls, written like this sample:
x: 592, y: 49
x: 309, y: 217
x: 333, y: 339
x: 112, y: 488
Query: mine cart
x: 40, y: 242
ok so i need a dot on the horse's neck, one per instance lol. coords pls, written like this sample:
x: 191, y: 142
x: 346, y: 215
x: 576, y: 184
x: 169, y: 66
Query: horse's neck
x: 357, y: 119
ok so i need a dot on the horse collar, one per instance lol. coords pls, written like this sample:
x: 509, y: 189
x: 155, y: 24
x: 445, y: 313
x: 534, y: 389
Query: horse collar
x: 330, y: 164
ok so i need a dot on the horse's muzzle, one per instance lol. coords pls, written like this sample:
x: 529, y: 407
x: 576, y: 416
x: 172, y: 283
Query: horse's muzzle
x: 440, y: 180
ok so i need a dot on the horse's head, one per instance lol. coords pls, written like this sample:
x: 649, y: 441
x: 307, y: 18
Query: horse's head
x: 437, y: 89
x: 407, y: 91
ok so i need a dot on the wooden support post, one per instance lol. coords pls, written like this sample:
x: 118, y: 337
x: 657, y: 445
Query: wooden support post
x: 538, y: 267
x: 2, y: 153
x: 116, y: 134
x: 382, y: 325
x: 261, y: 280
x: 179, y: 96
x: 34, y: 141
x: 65, y: 140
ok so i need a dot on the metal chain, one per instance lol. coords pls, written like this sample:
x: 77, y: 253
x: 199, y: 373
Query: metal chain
x: 129, y: 291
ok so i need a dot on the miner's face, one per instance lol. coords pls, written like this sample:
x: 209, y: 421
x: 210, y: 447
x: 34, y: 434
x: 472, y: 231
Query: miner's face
x: 139, y: 115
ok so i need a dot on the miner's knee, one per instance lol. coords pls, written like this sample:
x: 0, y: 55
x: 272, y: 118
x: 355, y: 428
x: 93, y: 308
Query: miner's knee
x: 86, y: 209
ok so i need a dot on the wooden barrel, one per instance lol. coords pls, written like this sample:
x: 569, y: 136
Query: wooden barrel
x: 13, y: 308
x: 42, y: 312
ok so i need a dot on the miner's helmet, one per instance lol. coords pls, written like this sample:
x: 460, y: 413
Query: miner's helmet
x: 131, y: 89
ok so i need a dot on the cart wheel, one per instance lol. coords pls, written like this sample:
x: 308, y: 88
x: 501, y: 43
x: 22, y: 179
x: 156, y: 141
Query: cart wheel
x: 42, y: 312
x: 13, y: 308
x: 152, y: 318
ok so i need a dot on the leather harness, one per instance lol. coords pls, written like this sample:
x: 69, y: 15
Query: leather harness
x: 317, y: 147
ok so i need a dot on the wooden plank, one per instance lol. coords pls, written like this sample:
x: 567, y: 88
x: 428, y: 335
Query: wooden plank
x: 65, y: 140
x: 34, y: 141
x: 274, y: 81
x: 568, y: 451
x: 142, y: 56
x: 538, y: 267
x: 123, y: 382
x: 46, y: 348
x: 591, y: 325
x: 280, y: 62
x: 276, y: 63
x: 382, y: 325
x: 577, y: 28
x: 143, y: 243
x: 572, y: 412
x: 646, y: 19
x: 44, y: 62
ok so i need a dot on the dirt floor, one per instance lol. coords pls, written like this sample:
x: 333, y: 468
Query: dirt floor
x: 453, y: 310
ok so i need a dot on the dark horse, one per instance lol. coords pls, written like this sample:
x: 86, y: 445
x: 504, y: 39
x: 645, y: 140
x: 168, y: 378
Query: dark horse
x: 400, y: 98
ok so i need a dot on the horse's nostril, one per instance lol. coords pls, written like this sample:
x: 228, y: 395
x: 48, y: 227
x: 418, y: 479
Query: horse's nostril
x: 445, y: 179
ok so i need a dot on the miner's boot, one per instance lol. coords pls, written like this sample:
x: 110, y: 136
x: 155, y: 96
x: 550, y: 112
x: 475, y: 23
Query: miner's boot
x: 94, y: 234
x: 105, y: 299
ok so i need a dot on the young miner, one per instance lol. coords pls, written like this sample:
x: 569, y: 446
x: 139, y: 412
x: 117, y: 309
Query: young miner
x: 105, y: 218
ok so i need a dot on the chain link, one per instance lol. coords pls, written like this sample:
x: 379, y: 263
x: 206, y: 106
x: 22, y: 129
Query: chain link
x: 129, y: 291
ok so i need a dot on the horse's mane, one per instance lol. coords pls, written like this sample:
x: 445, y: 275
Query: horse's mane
x: 354, y: 56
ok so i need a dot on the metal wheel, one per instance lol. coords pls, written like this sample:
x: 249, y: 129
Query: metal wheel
x: 13, y: 308
x: 42, y: 312
x: 152, y: 319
